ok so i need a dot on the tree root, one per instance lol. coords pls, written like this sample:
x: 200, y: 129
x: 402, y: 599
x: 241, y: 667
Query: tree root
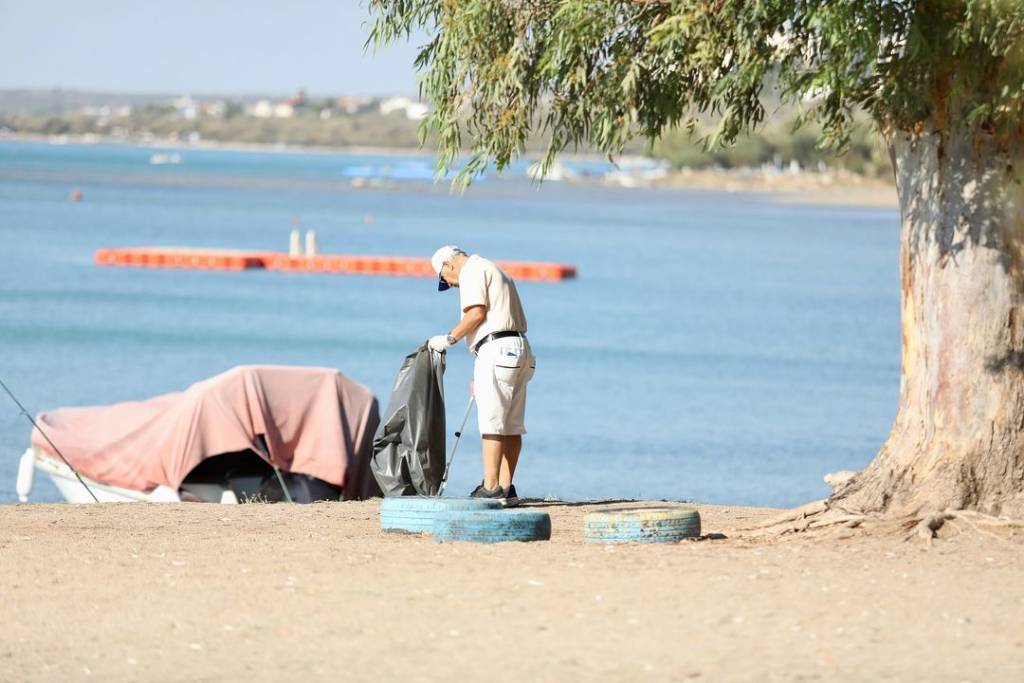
x: 810, y: 517
x: 849, y: 521
x: 988, y: 520
x: 927, y: 528
x: 795, y: 515
x: 817, y: 516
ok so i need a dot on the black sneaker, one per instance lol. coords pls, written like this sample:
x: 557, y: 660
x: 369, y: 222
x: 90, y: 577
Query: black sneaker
x: 511, y: 498
x: 480, y: 491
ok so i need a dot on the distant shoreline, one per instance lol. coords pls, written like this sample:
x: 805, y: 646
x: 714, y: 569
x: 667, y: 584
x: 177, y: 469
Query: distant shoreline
x: 831, y: 188
x: 835, y: 188
x: 92, y: 139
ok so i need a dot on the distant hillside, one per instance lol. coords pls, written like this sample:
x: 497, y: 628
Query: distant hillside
x: 304, y: 120
x: 58, y: 101
x: 61, y: 101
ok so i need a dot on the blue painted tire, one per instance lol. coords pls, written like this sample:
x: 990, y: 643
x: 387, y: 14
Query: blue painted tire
x: 654, y: 525
x: 492, y: 526
x: 415, y: 514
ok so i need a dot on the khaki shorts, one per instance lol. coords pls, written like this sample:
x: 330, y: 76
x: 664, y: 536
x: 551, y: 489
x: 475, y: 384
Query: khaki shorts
x: 502, y: 369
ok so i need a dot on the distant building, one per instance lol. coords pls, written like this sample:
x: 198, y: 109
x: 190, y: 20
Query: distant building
x: 216, y: 109
x: 265, y: 109
x: 353, y: 105
x: 186, y: 107
x: 413, y: 110
x: 262, y: 109
x: 393, y: 104
x: 284, y: 110
x: 416, y: 111
x: 298, y: 100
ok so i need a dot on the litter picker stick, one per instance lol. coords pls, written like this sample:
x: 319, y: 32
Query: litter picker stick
x: 284, y: 486
x: 261, y: 446
x: 54, y: 447
x: 458, y: 435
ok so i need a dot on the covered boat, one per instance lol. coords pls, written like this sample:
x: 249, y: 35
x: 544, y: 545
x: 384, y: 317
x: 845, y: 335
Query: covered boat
x: 253, y: 432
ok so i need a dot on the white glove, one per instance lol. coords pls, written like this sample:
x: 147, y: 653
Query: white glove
x: 439, y: 343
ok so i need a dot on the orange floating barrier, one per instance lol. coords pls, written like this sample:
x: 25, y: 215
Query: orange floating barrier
x: 234, y: 260
x: 165, y: 257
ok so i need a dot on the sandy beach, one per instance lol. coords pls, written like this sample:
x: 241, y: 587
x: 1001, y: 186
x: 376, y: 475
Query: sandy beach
x: 276, y: 592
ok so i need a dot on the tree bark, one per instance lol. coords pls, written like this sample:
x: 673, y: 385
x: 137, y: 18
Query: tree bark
x: 958, y: 438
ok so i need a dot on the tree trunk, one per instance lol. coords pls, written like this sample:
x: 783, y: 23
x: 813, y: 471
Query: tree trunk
x: 958, y: 438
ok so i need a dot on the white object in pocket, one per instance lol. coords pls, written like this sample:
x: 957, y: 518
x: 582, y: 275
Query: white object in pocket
x: 513, y: 365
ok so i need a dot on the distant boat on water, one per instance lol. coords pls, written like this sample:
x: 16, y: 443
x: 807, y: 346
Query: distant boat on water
x: 557, y: 172
x: 160, y: 159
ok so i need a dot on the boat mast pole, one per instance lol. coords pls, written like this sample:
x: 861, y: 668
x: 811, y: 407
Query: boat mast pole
x: 52, y: 445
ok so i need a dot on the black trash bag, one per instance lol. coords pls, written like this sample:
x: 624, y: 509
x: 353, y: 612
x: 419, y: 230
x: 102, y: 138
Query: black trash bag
x: 408, y: 448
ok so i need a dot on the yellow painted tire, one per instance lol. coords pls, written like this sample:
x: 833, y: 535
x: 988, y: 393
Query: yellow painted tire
x: 639, y: 525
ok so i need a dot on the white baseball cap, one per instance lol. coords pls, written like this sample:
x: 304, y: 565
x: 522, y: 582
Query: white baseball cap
x: 437, y: 261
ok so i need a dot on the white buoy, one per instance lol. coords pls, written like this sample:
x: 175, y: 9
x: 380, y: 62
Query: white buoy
x: 311, y: 243
x: 26, y: 475
x: 295, y: 243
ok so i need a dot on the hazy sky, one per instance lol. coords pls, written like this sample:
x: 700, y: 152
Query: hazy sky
x: 191, y: 46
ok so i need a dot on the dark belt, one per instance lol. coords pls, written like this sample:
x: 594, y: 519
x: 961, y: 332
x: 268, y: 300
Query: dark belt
x: 497, y: 335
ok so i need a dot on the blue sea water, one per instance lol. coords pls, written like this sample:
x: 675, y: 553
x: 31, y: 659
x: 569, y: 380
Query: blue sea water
x: 715, y: 347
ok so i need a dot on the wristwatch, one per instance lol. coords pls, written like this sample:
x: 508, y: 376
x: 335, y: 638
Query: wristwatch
x: 452, y: 341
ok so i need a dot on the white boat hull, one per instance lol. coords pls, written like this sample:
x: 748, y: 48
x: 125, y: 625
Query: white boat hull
x: 71, y: 488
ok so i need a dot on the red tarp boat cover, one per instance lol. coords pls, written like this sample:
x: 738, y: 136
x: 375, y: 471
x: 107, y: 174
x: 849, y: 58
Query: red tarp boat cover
x: 315, y: 421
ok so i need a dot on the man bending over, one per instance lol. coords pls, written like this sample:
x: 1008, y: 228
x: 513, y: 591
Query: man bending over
x: 494, y: 327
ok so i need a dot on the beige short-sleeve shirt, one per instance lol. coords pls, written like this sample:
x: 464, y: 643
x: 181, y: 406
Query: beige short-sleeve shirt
x: 483, y: 283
